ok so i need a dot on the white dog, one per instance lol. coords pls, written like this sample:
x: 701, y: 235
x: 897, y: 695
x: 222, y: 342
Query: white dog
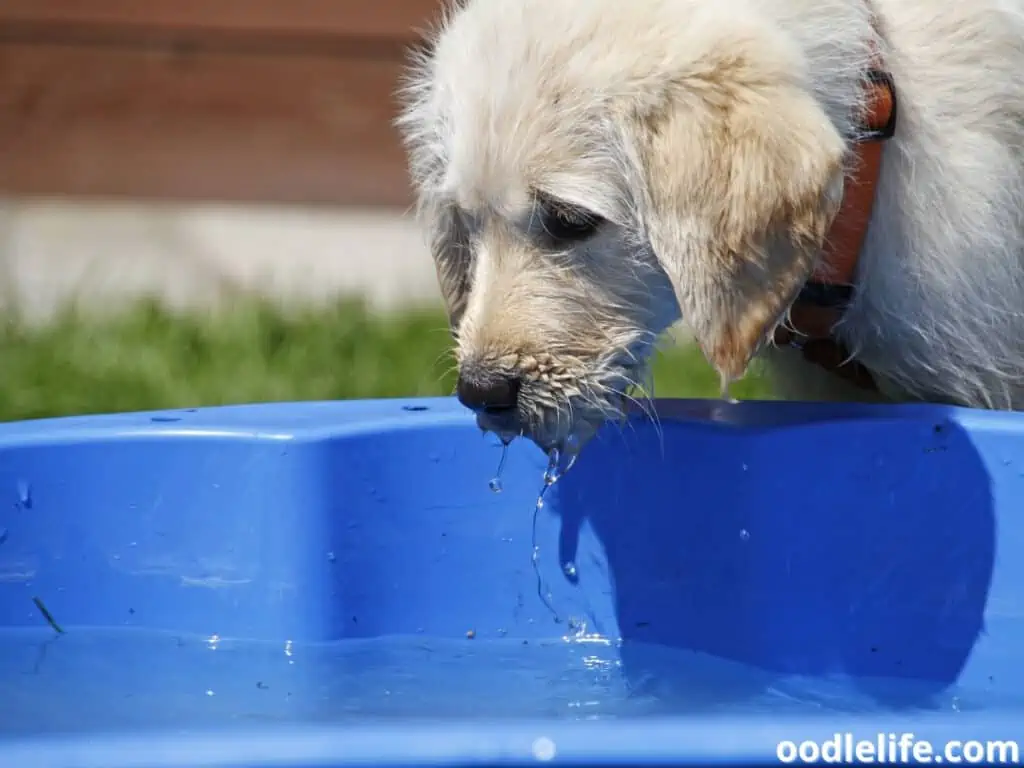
x: 591, y: 170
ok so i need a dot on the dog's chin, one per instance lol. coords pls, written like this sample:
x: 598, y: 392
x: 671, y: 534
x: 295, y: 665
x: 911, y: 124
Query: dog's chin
x: 551, y: 430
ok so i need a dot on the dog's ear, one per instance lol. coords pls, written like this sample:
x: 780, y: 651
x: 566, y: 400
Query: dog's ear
x: 741, y: 188
x: 450, y: 248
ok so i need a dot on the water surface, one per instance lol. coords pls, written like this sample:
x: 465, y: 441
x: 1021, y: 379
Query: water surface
x: 89, y: 680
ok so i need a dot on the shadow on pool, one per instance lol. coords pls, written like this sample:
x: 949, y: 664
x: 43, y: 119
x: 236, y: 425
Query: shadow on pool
x: 864, y: 552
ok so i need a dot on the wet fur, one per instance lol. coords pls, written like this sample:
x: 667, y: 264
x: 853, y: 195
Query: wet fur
x: 713, y: 136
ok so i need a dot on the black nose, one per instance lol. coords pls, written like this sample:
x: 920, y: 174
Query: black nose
x: 487, y: 392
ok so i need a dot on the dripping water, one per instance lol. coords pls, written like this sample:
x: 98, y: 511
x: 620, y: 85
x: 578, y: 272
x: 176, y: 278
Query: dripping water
x: 560, y: 461
x: 554, y: 471
x: 726, y: 393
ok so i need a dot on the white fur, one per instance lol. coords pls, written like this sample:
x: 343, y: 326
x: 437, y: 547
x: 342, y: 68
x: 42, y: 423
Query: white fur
x: 713, y: 136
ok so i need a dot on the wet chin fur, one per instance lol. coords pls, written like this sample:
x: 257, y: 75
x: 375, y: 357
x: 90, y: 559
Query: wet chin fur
x: 564, y: 430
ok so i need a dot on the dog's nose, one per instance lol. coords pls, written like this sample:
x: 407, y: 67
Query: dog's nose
x: 493, y: 392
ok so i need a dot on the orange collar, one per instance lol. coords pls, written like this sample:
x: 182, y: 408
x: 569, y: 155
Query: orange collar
x: 823, y: 299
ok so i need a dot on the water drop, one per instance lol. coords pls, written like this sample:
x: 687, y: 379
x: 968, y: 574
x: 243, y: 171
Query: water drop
x: 331, y: 557
x: 956, y: 704
x: 569, y: 569
x: 209, y: 692
x: 287, y: 647
x: 24, y: 495
x: 745, y: 535
x: 551, y: 474
x: 495, y: 482
x: 212, y: 642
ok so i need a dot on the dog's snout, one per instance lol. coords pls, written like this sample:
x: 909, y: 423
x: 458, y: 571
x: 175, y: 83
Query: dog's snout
x: 487, y: 391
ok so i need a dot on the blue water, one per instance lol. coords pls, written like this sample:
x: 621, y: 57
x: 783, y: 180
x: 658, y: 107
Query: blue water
x: 94, y: 680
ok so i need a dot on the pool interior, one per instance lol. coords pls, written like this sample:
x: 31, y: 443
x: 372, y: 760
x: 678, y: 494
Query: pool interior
x: 335, y: 563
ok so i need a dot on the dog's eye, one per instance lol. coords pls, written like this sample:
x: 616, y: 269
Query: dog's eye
x: 567, y: 223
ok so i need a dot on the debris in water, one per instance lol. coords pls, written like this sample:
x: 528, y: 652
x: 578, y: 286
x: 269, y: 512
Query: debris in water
x: 569, y: 569
x: 745, y: 535
x: 47, y: 615
x: 471, y: 634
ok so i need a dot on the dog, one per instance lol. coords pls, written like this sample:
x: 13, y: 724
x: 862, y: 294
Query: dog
x: 592, y: 171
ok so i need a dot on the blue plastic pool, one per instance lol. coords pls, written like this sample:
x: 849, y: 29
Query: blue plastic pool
x: 335, y: 583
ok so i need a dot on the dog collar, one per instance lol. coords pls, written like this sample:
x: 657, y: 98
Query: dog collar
x: 824, y: 298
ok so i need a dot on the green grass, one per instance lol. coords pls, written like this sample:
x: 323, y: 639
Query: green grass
x: 151, y: 358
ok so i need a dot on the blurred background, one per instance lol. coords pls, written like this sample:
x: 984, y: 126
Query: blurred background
x: 205, y: 202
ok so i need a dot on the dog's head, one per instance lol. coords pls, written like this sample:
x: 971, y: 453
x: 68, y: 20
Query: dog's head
x: 589, y: 171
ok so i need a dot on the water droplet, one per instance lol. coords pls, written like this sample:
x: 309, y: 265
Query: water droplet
x: 745, y: 535
x: 287, y: 647
x: 551, y: 474
x: 569, y: 569
x: 495, y: 482
x: 745, y: 467
x: 331, y: 557
x: 212, y: 642
x: 956, y: 704
x: 133, y: 543
x: 209, y: 692
x: 24, y: 495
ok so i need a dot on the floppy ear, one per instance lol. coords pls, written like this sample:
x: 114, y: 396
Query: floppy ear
x: 421, y: 131
x: 742, y: 187
x: 450, y: 248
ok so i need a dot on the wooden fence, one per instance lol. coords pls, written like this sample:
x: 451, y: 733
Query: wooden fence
x: 238, y: 100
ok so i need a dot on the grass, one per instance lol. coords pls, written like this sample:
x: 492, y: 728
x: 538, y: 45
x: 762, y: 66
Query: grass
x: 148, y: 357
